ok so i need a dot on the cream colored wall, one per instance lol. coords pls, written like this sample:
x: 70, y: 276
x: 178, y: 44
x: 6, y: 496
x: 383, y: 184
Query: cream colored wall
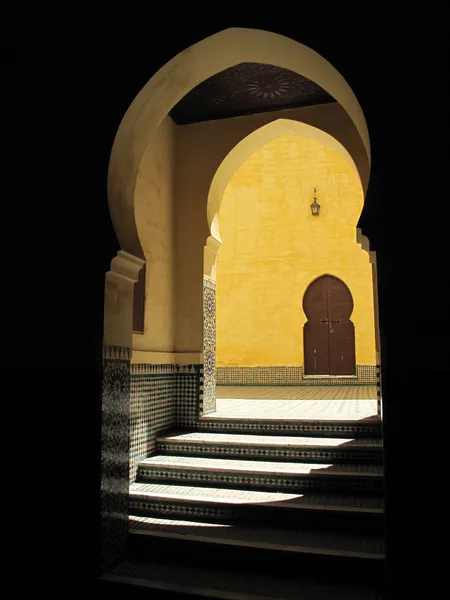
x: 273, y: 248
x: 200, y: 149
x: 155, y: 223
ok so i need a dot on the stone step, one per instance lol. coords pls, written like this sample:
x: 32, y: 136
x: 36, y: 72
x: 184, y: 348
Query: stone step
x: 270, y: 447
x: 248, y: 474
x: 258, y: 536
x: 330, y: 511
x: 273, y: 549
x: 190, y: 578
x: 369, y: 428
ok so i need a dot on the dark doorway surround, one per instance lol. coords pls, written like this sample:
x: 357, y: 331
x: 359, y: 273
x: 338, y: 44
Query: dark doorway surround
x: 66, y: 372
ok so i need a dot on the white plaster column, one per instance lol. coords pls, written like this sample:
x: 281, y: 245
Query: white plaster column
x: 210, y: 253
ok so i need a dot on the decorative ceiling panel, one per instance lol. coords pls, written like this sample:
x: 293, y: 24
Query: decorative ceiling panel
x: 245, y: 89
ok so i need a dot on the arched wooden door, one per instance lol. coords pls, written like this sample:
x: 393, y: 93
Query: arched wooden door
x: 329, y: 335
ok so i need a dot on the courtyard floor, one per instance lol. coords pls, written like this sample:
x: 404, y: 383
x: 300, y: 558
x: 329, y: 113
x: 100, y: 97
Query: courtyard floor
x: 297, y: 402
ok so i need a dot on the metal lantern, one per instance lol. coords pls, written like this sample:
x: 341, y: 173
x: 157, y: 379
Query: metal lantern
x: 315, y: 206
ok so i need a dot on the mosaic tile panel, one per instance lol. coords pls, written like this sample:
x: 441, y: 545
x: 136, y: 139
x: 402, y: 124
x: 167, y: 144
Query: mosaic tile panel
x: 153, y: 406
x: 189, y: 393
x: 288, y: 375
x: 161, y: 396
x: 115, y: 452
x: 209, y: 345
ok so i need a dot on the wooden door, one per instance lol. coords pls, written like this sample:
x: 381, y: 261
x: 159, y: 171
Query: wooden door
x: 329, y: 335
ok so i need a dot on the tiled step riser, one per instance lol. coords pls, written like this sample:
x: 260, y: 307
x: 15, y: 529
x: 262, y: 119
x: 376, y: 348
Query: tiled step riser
x: 344, y: 521
x: 242, y: 559
x: 310, y: 428
x: 298, y: 483
x: 276, y: 454
x: 214, y: 512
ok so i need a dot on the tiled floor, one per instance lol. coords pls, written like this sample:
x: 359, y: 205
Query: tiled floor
x: 302, y: 402
x: 300, y: 392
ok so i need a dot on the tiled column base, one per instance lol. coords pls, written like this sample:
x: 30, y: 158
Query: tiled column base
x: 209, y: 346
x: 379, y: 407
x: 115, y: 449
x: 289, y: 375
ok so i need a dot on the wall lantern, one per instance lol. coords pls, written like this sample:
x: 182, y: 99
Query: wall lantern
x: 315, y: 206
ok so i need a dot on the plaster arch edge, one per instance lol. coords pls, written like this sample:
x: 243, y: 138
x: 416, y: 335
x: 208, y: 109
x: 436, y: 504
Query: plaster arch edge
x: 182, y: 73
x: 244, y: 149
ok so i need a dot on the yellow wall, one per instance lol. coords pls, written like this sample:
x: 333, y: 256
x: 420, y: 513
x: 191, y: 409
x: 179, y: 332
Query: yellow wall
x: 273, y: 248
x: 200, y: 149
x: 171, y: 214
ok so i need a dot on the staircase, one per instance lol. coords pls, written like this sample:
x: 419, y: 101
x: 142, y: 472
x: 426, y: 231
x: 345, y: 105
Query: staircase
x: 288, y: 502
